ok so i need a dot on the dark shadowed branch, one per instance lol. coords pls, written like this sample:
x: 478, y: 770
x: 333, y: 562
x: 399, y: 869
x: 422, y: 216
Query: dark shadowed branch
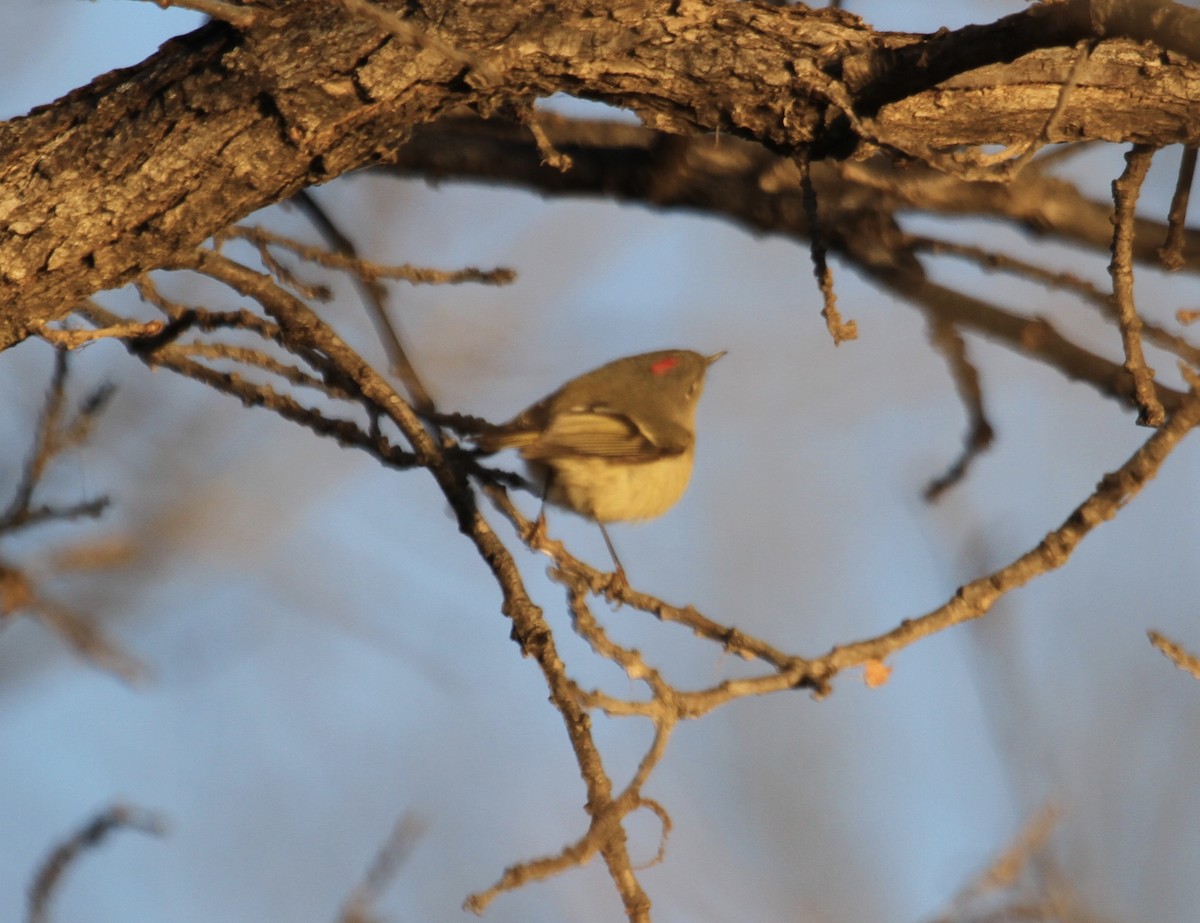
x: 50, y: 876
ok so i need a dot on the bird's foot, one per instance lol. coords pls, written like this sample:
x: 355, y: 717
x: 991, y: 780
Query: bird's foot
x: 617, y: 586
x: 535, y: 536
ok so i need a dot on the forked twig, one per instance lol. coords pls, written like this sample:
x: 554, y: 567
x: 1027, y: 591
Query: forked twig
x: 50, y: 875
x: 949, y: 342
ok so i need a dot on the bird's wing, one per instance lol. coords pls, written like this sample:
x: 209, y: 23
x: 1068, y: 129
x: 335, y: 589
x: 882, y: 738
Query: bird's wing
x: 598, y: 432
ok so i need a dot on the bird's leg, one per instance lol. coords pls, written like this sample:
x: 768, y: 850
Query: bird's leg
x: 619, y: 581
x: 537, y: 535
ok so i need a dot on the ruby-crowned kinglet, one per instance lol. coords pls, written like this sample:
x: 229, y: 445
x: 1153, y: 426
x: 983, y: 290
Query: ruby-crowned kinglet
x: 616, y: 443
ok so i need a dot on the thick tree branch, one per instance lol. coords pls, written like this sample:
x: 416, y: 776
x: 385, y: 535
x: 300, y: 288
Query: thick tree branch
x: 762, y: 192
x: 753, y: 186
x: 120, y: 176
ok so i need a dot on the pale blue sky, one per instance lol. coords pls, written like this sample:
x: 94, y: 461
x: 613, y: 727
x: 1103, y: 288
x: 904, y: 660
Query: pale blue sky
x: 327, y: 653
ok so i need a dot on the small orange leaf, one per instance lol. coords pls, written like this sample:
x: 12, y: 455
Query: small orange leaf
x: 876, y: 673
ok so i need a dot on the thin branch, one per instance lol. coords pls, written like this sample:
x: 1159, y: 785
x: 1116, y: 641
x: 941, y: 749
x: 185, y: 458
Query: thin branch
x: 303, y: 330
x: 1060, y: 153
x: 1091, y: 294
x: 551, y: 155
x: 368, y: 269
x: 839, y: 330
x: 84, y: 509
x: 184, y: 317
x: 1005, y: 872
x: 1033, y: 337
x: 74, y: 339
x: 971, y: 601
x: 1003, y: 166
x: 1170, y: 254
x: 383, y: 870
x: 663, y: 818
x: 242, y: 17
x: 1125, y: 195
x: 605, y: 824
x: 573, y: 855
x: 257, y: 359
x: 285, y: 275
x: 1176, y: 653
x: 413, y: 34
x: 86, y: 639
x: 44, y: 447
x: 52, y: 435
x: 949, y: 342
x: 976, y: 598
x: 251, y: 394
x: 732, y: 640
x: 49, y: 876
x: 374, y: 295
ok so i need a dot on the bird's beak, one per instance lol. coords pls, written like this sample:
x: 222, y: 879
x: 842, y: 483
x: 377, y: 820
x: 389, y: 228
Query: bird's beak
x: 715, y: 356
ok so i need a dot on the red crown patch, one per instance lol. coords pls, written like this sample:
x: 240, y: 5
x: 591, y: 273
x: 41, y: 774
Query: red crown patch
x: 664, y: 365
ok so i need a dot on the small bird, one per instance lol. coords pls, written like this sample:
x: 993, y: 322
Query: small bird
x: 615, y: 444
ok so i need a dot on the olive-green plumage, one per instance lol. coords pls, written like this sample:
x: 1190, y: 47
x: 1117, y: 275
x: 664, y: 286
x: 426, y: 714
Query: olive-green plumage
x: 616, y: 443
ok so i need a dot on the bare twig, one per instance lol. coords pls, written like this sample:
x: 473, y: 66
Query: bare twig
x: 839, y: 330
x: 732, y: 640
x: 303, y: 330
x: 52, y: 435
x: 18, y: 593
x: 387, y: 863
x: 1003, y: 166
x: 1061, y: 152
x: 949, y: 342
x: 175, y: 357
x: 183, y: 318
x: 413, y: 34
x: 84, y: 509
x: 551, y: 155
x: 45, y: 445
x: 1090, y: 293
x: 1176, y: 653
x: 86, y: 639
x: 1034, y: 337
x: 374, y: 295
x: 313, y: 291
x: 1170, y: 254
x: 50, y: 875
x: 368, y: 269
x: 257, y: 359
x: 1005, y: 872
x: 1125, y: 195
x: 976, y: 598
x: 74, y: 339
x: 243, y: 17
x: 573, y: 855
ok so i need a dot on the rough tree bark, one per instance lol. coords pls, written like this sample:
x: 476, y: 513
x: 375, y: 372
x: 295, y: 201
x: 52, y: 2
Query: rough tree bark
x: 144, y: 163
